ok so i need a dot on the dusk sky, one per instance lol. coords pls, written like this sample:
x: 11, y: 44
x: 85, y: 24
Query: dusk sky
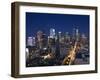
x: 60, y: 22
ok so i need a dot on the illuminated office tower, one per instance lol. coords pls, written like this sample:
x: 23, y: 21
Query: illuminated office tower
x: 34, y: 42
x: 77, y: 34
x: 30, y: 41
x: 52, y: 33
x: 59, y: 35
x: 66, y: 35
x: 83, y: 36
x: 27, y: 53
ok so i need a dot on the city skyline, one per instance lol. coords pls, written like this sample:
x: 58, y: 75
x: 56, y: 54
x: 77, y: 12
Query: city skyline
x: 56, y: 39
x: 60, y: 22
x: 31, y: 40
x: 57, y: 49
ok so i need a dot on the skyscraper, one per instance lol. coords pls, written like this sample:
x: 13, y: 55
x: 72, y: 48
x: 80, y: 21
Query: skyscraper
x: 67, y: 35
x: 83, y: 39
x: 52, y: 33
x: 34, y: 42
x: 39, y: 35
x: 59, y: 35
x: 39, y: 38
x: 73, y: 33
x: 83, y: 36
x: 30, y: 41
x: 77, y: 34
